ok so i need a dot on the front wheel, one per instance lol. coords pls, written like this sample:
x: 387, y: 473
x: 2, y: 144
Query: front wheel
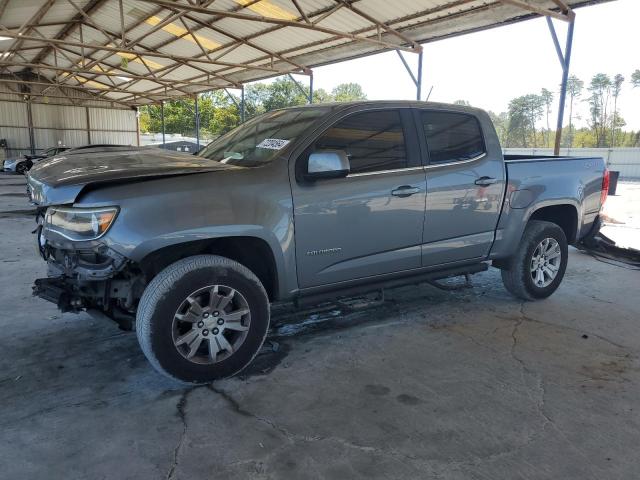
x: 202, y: 318
x: 537, y: 268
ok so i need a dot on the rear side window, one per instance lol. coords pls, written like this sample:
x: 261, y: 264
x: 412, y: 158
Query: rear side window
x: 373, y: 141
x: 452, y: 137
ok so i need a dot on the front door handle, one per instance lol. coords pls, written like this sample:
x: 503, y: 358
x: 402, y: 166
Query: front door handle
x: 405, y: 191
x: 485, y: 181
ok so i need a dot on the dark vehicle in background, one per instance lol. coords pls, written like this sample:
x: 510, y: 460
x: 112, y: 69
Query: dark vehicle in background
x: 24, y: 164
x: 300, y: 205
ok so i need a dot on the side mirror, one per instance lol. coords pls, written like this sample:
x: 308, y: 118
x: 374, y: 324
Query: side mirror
x: 327, y: 164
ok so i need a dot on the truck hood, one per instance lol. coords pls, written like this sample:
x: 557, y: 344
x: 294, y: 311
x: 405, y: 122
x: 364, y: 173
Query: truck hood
x: 60, y: 179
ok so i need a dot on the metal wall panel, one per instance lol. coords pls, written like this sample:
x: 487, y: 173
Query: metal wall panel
x: 17, y: 140
x: 57, y: 116
x: 624, y: 160
x: 119, y: 138
x: 12, y: 114
x: 118, y: 120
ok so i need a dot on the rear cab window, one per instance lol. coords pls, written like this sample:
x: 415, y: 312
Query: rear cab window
x: 452, y: 136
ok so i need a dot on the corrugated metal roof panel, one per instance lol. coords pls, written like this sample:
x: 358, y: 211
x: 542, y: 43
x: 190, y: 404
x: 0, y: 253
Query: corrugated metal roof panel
x: 266, y: 30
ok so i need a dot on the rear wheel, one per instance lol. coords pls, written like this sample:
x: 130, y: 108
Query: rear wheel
x: 202, y: 318
x: 21, y: 168
x: 537, y: 268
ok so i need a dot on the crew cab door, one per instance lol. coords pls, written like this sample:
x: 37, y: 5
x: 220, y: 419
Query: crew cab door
x: 370, y: 221
x: 465, y: 185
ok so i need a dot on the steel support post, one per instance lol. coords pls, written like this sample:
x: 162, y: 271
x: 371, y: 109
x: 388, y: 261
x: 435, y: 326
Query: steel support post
x: 416, y: 79
x: 32, y: 143
x: 311, y: 88
x: 162, y: 121
x: 197, y: 115
x: 565, y: 61
x: 419, y: 82
x: 242, y: 104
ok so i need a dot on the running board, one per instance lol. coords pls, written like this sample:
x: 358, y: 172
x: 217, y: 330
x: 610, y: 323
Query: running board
x: 340, y: 291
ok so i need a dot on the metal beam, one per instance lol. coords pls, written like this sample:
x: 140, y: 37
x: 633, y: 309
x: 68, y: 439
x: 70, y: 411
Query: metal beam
x: 68, y: 29
x: 563, y: 86
x: 276, y: 21
x: 566, y: 17
x: 415, y: 78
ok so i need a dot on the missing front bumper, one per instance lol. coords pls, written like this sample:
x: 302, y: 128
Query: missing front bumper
x: 56, y: 290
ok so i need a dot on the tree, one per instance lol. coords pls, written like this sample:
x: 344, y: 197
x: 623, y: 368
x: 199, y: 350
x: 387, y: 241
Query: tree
x: 600, y: 89
x: 616, y: 88
x: 547, y: 99
x: 464, y: 103
x: 574, y: 89
x: 500, y: 122
x: 348, y: 92
x: 635, y: 78
x: 220, y: 112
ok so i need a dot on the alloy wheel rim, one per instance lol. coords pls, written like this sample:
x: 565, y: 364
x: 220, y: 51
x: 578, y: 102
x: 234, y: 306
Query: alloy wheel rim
x: 211, y: 324
x: 545, y: 262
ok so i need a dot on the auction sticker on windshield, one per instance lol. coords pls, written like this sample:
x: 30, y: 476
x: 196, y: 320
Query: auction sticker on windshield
x: 273, y: 143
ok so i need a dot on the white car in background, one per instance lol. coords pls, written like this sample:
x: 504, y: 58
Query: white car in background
x: 23, y: 164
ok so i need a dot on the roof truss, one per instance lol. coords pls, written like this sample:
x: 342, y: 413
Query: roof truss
x: 145, y: 51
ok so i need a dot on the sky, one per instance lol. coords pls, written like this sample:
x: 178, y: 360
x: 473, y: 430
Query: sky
x: 490, y: 68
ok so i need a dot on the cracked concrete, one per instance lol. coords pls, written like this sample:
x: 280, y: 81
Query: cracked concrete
x: 425, y: 384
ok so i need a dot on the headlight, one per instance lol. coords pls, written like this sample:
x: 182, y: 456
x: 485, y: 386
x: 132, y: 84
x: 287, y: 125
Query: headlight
x: 79, y: 223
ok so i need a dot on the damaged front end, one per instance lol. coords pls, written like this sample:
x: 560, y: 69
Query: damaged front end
x: 85, y: 274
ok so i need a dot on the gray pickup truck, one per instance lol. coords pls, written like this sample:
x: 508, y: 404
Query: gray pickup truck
x: 298, y: 205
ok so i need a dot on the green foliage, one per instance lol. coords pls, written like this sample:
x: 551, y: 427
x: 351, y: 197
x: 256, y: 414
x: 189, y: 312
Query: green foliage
x: 220, y: 113
x: 464, y: 103
x: 517, y: 127
x: 347, y: 92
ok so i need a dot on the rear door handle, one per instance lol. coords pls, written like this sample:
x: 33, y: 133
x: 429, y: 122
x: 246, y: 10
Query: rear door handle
x: 485, y: 181
x: 405, y: 191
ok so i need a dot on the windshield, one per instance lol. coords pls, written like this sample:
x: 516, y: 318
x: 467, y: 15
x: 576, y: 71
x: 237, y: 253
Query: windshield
x: 259, y: 140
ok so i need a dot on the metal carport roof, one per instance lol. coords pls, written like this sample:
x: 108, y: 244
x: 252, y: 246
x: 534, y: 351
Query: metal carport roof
x: 135, y: 52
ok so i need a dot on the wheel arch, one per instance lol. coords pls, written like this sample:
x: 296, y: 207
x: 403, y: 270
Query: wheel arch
x: 252, y: 252
x: 565, y: 215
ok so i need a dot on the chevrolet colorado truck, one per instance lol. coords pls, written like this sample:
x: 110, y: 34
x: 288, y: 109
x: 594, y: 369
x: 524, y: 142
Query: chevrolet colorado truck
x: 298, y: 205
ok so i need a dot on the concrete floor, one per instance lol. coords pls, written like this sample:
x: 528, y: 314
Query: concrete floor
x: 427, y: 384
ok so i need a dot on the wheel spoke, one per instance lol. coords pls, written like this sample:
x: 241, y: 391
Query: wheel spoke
x: 551, y: 245
x: 235, y: 315
x: 224, y: 343
x: 539, y: 277
x: 187, y: 337
x: 235, y: 325
x: 214, y: 348
x: 187, y: 317
x: 226, y: 300
x: 534, y: 266
x: 193, y: 346
x: 553, y: 254
x: 214, y: 297
x: 194, y: 306
x: 549, y: 272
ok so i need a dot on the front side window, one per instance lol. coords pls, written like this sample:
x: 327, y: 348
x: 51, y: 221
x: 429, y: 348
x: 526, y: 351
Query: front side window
x: 259, y: 140
x: 451, y: 136
x: 373, y: 141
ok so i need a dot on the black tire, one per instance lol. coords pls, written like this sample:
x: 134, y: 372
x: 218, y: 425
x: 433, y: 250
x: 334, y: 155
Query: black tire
x: 155, y: 325
x: 517, y: 276
x: 21, y: 168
